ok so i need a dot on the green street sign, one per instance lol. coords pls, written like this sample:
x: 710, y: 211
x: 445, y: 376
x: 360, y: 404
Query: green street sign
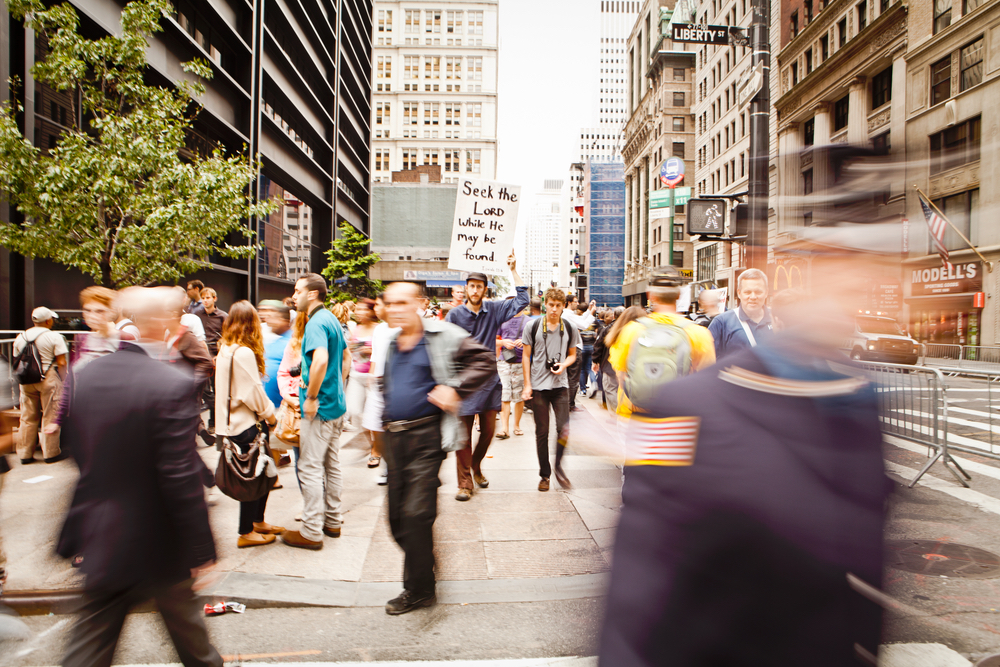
x: 661, y: 198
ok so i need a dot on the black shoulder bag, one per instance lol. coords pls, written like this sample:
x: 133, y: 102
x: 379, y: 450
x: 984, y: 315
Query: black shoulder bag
x: 244, y: 476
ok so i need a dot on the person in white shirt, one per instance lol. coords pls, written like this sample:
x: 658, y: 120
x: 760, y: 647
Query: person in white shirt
x: 374, y: 402
x: 582, y: 322
x: 40, y: 400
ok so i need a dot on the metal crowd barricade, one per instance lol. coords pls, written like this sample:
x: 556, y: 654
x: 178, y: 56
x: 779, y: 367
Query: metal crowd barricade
x: 937, y: 353
x: 980, y: 357
x: 913, y: 405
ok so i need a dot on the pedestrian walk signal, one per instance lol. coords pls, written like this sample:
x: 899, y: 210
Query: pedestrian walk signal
x: 707, y: 217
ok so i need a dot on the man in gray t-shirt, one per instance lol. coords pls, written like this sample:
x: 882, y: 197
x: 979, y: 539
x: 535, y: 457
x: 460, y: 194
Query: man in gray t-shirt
x: 550, y: 344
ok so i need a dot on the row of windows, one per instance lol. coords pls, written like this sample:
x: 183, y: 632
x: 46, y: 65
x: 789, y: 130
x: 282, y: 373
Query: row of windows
x: 432, y: 67
x: 435, y: 21
x: 943, y: 10
x: 431, y: 41
x: 722, y: 140
x: 450, y: 159
x: 432, y: 113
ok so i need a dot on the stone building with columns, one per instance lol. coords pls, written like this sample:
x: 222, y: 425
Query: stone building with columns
x: 919, y: 82
x: 660, y: 126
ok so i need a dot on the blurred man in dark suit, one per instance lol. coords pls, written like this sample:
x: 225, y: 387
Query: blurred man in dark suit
x: 138, y: 515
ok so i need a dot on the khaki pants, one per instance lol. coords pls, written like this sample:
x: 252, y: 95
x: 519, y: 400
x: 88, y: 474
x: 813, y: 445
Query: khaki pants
x: 39, y: 406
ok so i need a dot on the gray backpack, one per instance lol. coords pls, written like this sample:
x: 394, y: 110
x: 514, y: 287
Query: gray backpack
x: 658, y: 355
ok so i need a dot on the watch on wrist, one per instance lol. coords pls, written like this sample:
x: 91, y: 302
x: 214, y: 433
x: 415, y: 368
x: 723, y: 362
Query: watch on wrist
x: 312, y: 398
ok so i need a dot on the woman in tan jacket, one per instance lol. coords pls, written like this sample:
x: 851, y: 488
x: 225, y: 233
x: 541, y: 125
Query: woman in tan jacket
x: 239, y: 367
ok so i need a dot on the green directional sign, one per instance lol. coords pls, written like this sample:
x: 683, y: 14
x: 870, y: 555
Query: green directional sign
x: 661, y: 198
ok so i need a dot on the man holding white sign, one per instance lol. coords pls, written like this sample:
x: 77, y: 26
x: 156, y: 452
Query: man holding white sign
x: 482, y: 319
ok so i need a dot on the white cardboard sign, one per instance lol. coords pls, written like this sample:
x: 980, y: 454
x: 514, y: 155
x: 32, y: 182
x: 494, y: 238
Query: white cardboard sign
x: 485, y: 221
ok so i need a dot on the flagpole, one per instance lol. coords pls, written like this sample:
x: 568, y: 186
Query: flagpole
x: 989, y: 265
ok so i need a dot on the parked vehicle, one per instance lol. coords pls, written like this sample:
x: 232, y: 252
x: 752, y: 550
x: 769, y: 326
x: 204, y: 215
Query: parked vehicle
x: 881, y: 339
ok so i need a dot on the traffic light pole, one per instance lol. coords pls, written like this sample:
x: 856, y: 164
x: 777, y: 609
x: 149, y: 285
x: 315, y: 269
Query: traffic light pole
x: 760, y: 108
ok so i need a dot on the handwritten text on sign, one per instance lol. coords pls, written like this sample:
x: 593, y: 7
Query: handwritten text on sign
x: 485, y: 221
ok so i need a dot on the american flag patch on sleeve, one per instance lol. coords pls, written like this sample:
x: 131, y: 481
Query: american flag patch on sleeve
x: 661, y: 442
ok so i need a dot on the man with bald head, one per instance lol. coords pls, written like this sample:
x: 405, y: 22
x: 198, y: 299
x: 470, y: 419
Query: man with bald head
x: 430, y: 367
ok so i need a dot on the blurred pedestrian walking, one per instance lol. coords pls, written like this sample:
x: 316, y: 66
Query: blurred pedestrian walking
x: 241, y: 404
x: 325, y: 362
x: 44, y: 360
x: 430, y: 367
x: 138, y: 514
x: 511, y: 373
x: 359, y: 342
x: 375, y: 401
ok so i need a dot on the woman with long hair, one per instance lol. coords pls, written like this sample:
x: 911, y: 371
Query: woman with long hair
x: 241, y: 404
x: 360, y: 345
x: 288, y: 384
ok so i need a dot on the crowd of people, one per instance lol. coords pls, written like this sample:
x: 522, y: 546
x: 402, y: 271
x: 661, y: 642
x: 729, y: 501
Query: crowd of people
x: 167, y: 368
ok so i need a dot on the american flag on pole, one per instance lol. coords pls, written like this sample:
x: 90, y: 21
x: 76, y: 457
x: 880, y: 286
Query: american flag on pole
x: 661, y: 442
x: 938, y: 226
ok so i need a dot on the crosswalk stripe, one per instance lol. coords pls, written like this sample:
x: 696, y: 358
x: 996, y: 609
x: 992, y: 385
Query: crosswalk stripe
x: 970, y: 466
x: 952, y: 438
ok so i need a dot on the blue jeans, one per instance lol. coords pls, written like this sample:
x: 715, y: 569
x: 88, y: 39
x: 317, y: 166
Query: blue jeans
x: 585, y: 373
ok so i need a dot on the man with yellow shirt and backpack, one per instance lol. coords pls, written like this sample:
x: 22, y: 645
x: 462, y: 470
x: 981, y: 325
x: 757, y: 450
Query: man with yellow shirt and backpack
x: 659, y: 348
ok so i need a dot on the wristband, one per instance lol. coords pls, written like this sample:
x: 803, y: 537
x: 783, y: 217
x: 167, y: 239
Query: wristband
x: 312, y: 398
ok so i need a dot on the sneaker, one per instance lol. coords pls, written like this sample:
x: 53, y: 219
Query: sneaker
x: 463, y: 494
x: 383, y: 478
x: 408, y: 601
x: 481, y: 480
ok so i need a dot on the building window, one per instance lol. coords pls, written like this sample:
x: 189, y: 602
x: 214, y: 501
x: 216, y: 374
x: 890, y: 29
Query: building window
x: 809, y: 132
x: 941, y: 80
x: 432, y: 67
x: 971, y: 65
x: 678, y: 123
x: 452, y: 160
x: 882, y: 88
x: 862, y: 15
x: 385, y: 20
x: 793, y: 22
x: 841, y: 110
x: 824, y: 47
x: 881, y: 145
x: 706, y: 263
x: 433, y: 18
x: 677, y: 149
x: 454, y: 22
x: 678, y: 99
x: 472, y: 161
x: 678, y: 73
x: 475, y: 114
x: 381, y: 160
x: 807, y: 182
x: 411, y: 67
x: 956, y: 145
x: 475, y: 69
x: 453, y: 113
x: 430, y: 156
x: 942, y: 15
x: 809, y: 61
x: 412, y: 21
x: 410, y: 111
x: 842, y: 33
x: 962, y: 210
x: 409, y: 158
x: 382, y: 110
x: 678, y: 258
x: 970, y: 5
x: 431, y: 112
x: 475, y: 23
x: 807, y: 11
x: 453, y: 67
x: 795, y: 73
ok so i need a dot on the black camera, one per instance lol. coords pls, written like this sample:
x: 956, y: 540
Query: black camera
x: 552, y: 365
x: 296, y: 370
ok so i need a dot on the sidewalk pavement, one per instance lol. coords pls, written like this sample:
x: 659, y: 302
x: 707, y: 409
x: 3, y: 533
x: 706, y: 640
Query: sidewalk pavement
x: 509, y: 543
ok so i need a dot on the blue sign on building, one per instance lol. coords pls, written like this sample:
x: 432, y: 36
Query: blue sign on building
x: 606, y: 264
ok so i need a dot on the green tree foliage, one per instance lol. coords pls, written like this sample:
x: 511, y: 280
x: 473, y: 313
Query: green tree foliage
x: 349, y: 258
x: 114, y: 198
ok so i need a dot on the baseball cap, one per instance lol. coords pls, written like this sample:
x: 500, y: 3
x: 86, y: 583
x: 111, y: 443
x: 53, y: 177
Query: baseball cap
x: 477, y: 276
x: 666, y: 276
x: 41, y: 314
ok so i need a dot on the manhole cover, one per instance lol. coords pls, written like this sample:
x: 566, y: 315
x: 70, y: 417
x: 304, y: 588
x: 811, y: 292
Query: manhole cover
x: 935, y: 558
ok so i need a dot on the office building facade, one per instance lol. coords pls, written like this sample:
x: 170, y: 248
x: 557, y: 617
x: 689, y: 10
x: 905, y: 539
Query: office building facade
x: 435, y: 88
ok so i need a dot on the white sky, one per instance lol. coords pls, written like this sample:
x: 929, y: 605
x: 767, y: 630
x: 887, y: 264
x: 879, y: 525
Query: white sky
x: 547, y: 88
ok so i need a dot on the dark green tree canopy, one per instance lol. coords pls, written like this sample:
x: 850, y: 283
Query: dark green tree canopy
x: 349, y: 259
x: 114, y: 198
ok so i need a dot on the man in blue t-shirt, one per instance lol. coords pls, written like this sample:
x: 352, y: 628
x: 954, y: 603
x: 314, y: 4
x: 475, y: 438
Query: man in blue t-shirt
x: 278, y: 317
x: 321, y: 397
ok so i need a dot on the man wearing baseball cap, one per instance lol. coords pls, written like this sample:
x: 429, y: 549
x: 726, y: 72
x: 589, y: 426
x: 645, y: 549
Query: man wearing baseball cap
x: 482, y: 319
x: 40, y: 400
